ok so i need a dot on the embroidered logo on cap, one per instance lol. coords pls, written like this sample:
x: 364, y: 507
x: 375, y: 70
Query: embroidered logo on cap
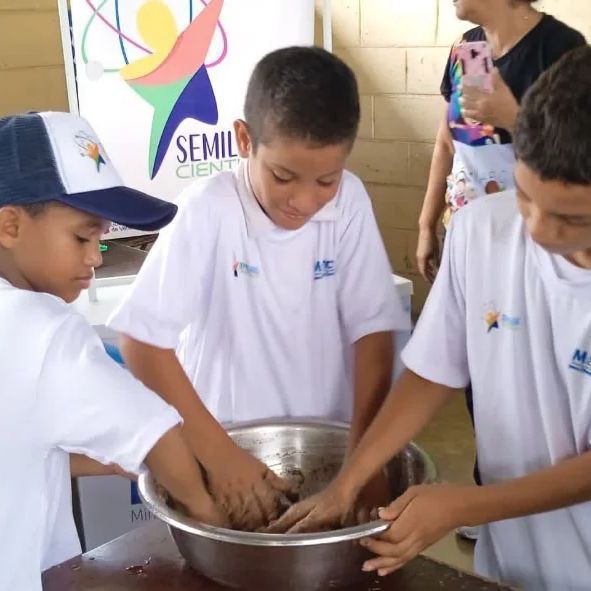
x: 90, y: 148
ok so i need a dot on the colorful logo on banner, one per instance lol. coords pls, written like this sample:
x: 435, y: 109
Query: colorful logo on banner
x: 171, y: 73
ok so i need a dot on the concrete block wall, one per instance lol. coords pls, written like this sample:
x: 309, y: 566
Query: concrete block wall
x: 31, y: 59
x: 397, y: 48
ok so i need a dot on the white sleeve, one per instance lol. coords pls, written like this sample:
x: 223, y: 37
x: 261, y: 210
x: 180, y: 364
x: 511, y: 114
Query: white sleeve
x: 368, y: 299
x: 167, y: 292
x: 90, y: 405
x: 437, y: 350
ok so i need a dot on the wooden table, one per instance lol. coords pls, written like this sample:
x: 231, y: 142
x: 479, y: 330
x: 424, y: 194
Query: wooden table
x: 147, y: 559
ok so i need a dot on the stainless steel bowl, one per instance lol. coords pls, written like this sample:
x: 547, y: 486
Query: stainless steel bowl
x: 305, y: 562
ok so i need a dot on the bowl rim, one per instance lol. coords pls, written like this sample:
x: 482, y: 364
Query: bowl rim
x: 175, y: 519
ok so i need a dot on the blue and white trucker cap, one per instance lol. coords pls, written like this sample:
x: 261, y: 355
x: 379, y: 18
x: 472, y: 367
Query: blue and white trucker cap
x: 58, y: 157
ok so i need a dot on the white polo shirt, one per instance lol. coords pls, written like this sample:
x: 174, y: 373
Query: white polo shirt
x: 264, y: 319
x: 516, y: 321
x: 60, y: 393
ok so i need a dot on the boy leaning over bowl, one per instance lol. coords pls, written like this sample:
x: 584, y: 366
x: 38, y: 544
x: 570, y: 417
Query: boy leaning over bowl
x: 66, y: 409
x: 511, y: 311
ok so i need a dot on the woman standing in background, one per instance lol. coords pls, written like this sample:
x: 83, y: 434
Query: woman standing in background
x: 476, y: 158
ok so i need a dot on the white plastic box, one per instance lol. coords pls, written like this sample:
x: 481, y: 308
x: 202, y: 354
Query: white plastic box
x: 404, y: 287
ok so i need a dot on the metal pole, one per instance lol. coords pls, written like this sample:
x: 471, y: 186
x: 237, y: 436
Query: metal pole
x: 327, y: 25
x: 62, y: 7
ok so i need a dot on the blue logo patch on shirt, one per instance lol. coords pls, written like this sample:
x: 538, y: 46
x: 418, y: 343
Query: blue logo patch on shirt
x: 511, y: 322
x: 495, y: 319
x: 324, y: 269
x: 244, y: 269
x: 581, y: 362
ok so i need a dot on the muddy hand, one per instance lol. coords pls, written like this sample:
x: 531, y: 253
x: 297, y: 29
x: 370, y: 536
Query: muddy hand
x: 248, y: 491
x: 376, y: 494
x: 209, y: 513
x: 321, y: 512
x: 420, y: 517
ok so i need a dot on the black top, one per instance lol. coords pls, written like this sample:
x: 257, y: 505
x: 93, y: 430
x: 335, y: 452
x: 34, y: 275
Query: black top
x: 549, y: 40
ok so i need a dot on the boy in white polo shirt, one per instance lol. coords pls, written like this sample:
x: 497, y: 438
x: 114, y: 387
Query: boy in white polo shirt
x: 512, y: 312
x: 60, y: 392
x: 271, y: 295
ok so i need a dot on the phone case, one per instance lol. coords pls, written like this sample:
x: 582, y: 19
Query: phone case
x: 477, y: 64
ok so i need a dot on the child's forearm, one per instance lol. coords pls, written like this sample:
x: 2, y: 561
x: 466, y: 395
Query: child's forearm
x: 410, y: 406
x: 161, y: 371
x: 173, y: 466
x: 565, y: 484
x: 372, y: 380
x: 84, y: 466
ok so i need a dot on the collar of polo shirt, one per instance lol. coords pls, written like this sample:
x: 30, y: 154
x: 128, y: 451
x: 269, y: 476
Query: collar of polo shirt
x: 257, y: 222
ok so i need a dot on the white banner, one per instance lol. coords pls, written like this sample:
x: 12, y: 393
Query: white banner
x: 162, y: 81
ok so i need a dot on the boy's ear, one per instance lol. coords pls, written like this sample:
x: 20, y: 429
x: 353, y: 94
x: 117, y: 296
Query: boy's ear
x: 242, y: 138
x: 11, y: 219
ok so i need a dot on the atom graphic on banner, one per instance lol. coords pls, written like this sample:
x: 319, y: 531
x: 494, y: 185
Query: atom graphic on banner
x: 168, y: 68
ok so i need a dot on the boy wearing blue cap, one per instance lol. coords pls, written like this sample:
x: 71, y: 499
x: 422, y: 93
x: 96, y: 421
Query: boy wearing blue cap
x: 60, y: 392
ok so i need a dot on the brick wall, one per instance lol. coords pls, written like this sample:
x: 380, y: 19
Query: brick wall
x: 397, y: 48
x: 31, y: 60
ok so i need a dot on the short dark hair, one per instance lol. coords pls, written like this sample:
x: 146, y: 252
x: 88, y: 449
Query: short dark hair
x: 553, y: 129
x: 302, y: 93
x: 36, y: 209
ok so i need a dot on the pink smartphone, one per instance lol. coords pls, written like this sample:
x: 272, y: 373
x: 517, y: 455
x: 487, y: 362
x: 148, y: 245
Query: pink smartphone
x: 477, y: 64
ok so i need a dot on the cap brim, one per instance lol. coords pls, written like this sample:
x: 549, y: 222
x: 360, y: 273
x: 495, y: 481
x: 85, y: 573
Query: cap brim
x: 124, y: 206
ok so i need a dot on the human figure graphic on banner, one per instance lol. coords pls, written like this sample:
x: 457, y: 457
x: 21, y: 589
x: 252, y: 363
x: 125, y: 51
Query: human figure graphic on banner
x: 172, y: 76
